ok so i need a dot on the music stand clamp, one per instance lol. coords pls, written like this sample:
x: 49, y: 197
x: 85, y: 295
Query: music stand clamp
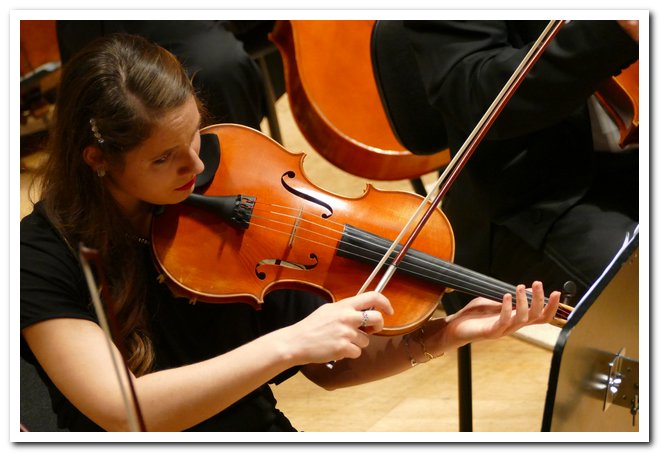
x: 622, y: 385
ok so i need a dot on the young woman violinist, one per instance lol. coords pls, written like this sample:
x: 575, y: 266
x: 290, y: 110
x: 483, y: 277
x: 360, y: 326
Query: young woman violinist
x: 125, y: 138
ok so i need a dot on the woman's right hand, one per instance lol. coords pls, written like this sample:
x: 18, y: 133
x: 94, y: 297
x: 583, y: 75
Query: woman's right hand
x: 337, y: 330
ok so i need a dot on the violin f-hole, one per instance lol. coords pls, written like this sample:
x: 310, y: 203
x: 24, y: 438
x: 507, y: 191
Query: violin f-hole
x: 292, y: 174
x: 284, y: 263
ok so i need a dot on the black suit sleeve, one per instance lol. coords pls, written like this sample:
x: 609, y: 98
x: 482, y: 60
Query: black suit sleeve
x: 465, y: 64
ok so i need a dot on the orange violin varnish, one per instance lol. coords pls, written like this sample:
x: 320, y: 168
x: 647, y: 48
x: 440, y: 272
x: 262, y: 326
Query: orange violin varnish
x: 291, y: 242
x: 283, y: 232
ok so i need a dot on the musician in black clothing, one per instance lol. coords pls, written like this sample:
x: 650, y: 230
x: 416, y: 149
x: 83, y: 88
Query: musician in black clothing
x: 214, y: 53
x: 549, y: 184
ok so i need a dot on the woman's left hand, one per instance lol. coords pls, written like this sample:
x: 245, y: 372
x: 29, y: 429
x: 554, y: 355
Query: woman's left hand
x: 483, y: 319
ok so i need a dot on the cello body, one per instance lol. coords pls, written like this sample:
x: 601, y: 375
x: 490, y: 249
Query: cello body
x: 620, y: 98
x: 40, y: 67
x: 335, y: 102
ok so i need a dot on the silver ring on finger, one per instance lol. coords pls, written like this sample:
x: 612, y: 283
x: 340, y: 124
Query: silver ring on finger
x: 365, y: 319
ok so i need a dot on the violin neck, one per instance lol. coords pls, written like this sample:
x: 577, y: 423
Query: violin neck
x: 367, y: 247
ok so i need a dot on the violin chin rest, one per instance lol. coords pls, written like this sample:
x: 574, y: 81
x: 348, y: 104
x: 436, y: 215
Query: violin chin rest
x: 209, y: 153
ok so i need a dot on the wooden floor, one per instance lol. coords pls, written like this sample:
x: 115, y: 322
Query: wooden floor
x: 510, y: 375
x: 509, y: 381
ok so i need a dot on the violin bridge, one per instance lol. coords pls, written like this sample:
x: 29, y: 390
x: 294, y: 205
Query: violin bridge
x: 292, y: 236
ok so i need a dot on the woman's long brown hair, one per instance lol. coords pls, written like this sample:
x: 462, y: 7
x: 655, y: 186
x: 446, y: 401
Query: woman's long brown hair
x: 125, y: 84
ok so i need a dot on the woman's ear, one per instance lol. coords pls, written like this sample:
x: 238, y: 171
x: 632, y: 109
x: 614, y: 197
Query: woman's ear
x: 93, y: 157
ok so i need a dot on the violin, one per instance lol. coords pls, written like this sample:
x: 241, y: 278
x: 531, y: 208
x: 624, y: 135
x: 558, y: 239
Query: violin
x: 261, y: 225
x: 620, y: 97
x: 335, y: 101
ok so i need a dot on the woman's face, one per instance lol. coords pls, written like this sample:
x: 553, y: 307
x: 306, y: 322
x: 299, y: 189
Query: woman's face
x: 163, y: 168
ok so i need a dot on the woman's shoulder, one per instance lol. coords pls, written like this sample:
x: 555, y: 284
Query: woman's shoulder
x: 35, y: 222
x: 37, y: 232
x: 43, y: 249
x: 52, y: 283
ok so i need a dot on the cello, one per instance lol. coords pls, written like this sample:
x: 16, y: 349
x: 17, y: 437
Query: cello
x: 335, y: 102
x: 40, y: 67
x: 619, y: 96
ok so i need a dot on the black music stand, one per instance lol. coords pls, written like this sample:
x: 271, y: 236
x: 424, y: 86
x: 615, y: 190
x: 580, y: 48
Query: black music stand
x: 594, y: 375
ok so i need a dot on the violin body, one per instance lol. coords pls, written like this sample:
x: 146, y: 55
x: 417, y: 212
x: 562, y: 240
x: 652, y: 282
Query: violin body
x: 335, y: 102
x: 260, y: 226
x: 294, y: 238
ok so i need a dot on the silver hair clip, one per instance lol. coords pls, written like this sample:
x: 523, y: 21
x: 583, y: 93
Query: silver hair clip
x: 95, y: 131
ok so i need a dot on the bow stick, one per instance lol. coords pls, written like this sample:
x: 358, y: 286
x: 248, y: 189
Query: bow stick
x: 133, y: 411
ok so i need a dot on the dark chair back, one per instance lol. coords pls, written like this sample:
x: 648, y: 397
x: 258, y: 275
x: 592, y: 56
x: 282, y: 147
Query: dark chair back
x: 416, y: 124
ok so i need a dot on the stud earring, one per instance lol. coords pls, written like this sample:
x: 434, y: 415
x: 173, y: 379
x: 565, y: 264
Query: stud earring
x: 100, y: 172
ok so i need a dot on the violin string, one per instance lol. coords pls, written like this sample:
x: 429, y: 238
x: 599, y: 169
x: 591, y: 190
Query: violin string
x: 489, y: 292
x: 485, y: 283
x: 447, y: 269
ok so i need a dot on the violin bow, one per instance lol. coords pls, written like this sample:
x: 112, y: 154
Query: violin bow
x: 460, y: 159
x: 133, y: 411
